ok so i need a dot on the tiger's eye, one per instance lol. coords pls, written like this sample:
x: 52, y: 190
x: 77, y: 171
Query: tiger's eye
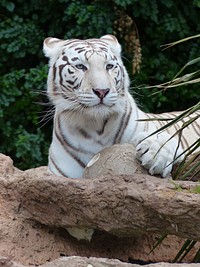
x: 109, y: 66
x: 81, y: 67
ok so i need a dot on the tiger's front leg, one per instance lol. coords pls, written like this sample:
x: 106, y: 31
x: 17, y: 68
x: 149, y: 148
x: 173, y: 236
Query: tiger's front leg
x: 158, y: 152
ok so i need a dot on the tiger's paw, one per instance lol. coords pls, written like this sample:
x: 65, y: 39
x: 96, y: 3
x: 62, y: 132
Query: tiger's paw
x: 157, y: 153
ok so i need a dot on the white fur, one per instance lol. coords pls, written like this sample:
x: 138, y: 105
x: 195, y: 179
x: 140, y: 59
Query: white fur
x: 80, y: 133
x: 156, y: 152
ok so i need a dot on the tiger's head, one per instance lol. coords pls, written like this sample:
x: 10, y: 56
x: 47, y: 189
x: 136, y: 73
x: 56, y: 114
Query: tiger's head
x: 86, y: 74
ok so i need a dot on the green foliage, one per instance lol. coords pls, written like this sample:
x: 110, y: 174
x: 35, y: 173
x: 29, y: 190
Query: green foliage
x: 161, y: 22
x: 23, y: 68
x: 91, y: 19
x: 20, y: 136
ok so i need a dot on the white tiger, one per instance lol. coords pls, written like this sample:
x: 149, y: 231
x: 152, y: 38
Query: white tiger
x: 88, y: 85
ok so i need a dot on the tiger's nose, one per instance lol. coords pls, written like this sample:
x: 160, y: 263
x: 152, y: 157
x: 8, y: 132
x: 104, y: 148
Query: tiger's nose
x: 101, y: 93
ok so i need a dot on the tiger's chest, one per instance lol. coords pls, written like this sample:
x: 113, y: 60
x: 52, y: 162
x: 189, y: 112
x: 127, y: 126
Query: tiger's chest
x: 75, y: 142
x: 90, y: 136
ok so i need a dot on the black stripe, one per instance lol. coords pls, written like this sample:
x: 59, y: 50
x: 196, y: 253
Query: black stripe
x: 62, y: 139
x: 146, y: 128
x: 136, y: 121
x: 120, y: 126
x: 184, y: 142
x: 195, y: 126
x: 54, y: 71
x: 67, y: 97
x: 163, y: 123
x: 88, y: 54
x: 56, y: 166
x: 74, y: 42
x: 70, y: 72
x: 55, y: 90
x: 79, y: 50
x: 78, y: 85
x: 71, y: 82
x: 100, y: 132
x: 66, y: 142
x: 123, y: 124
x: 74, y: 58
x: 84, y: 133
x: 65, y: 58
x: 61, y: 67
x: 183, y: 137
x: 177, y: 128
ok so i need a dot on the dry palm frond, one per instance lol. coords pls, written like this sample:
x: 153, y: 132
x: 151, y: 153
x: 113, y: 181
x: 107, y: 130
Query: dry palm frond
x: 186, y: 79
x: 180, y: 41
x: 180, y: 81
x: 190, y: 167
x: 127, y: 30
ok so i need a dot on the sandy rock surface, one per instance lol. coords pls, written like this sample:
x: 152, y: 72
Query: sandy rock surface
x: 75, y: 261
x: 26, y: 242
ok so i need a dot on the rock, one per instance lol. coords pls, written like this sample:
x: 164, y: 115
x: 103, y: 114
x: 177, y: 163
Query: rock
x: 6, y: 166
x: 27, y: 196
x: 75, y: 261
x: 118, y: 159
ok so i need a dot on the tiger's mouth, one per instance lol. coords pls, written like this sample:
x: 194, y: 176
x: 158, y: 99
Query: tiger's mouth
x: 99, y: 105
x: 98, y: 99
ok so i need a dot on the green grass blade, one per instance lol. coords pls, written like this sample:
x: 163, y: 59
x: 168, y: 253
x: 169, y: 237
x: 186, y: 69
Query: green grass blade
x: 191, y: 245
x: 197, y: 165
x: 157, y: 243
x: 189, y: 63
x: 184, y: 114
x: 185, y: 124
x: 181, y: 251
x: 184, y: 165
x: 197, y: 257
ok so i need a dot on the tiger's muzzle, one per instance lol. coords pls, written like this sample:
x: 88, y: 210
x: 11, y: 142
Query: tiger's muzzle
x: 101, y: 93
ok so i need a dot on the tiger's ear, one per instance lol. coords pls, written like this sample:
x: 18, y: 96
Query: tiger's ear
x: 111, y: 40
x: 52, y: 46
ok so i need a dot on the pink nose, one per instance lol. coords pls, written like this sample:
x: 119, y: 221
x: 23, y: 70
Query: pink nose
x: 101, y: 93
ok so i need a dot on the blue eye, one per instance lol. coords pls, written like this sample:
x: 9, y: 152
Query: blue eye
x: 81, y: 67
x: 109, y: 66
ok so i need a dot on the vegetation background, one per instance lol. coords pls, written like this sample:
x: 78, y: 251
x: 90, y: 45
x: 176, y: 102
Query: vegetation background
x: 25, y: 135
